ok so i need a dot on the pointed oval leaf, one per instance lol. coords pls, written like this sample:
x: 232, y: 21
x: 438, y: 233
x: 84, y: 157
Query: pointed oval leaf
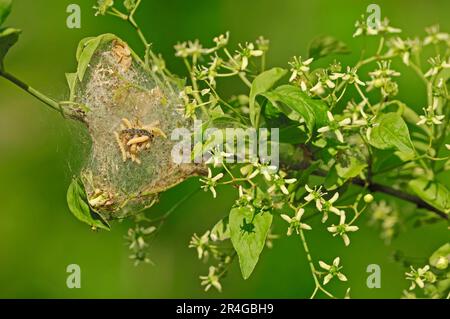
x: 86, y: 49
x: 72, y: 82
x: 79, y: 207
x: 248, y: 235
x: 326, y: 45
x: 391, y: 132
x: 297, y: 105
x: 8, y: 37
x: 434, y: 193
x: 262, y: 83
x: 5, y: 10
x: 221, y: 230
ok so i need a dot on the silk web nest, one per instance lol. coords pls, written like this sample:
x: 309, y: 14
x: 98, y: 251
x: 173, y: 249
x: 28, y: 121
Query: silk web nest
x: 130, y: 113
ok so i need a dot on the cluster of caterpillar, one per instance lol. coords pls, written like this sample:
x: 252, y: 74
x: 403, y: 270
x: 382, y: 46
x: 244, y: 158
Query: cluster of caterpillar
x: 133, y: 139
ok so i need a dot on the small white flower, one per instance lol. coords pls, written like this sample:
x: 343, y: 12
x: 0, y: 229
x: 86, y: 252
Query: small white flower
x: 303, y: 86
x: 294, y: 222
x: 342, y: 229
x: 262, y: 44
x: 247, y: 51
x: 384, y: 27
x: 335, y: 126
x: 324, y: 81
x: 217, y: 157
x: 280, y: 182
x: 267, y: 171
x: 190, y: 48
x: 211, y: 182
x: 318, y: 89
x: 333, y: 270
x: 211, y: 280
x: 350, y: 76
x: 327, y: 206
x: 436, y: 66
x: 315, y: 194
x: 299, y: 67
x: 222, y: 40
x: 381, y: 27
x: 200, y: 244
x: 434, y: 36
x: 403, y: 48
x: 245, y: 197
x: 356, y: 112
x: 430, y: 118
x: 256, y: 168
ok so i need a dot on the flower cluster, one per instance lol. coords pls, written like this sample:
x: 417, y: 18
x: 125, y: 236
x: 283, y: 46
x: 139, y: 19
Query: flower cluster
x: 136, y: 239
x: 381, y: 27
x: 420, y: 276
x: 386, y: 218
x: 330, y: 150
x: 430, y: 117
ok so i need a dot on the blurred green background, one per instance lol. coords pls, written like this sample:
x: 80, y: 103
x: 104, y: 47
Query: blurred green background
x: 40, y: 152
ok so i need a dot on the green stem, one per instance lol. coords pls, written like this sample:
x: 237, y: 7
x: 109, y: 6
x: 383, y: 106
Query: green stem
x: 54, y: 105
x: 380, y: 46
x: 313, y: 269
x: 244, y: 79
x: 364, y: 98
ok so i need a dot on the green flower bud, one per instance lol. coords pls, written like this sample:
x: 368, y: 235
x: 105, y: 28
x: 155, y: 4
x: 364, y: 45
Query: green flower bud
x: 442, y: 263
x: 430, y: 277
x: 368, y: 198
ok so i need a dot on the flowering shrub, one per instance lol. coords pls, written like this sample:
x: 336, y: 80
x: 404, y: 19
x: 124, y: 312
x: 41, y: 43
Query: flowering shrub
x: 344, y: 140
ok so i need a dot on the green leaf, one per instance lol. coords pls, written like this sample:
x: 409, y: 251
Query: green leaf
x: 86, y: 49
x: 391, y: 132
x: 79, y: 207
x: 434, y: 193
x: 351, y: 167
x: 226, y: 121
x: 383, y: 160
x: 72, y: 82
x: 325, y: 45
x: 5, y: 10
x: 8, y: 37
x: 86, y: 52
x: 297, y: 106
x: 221, y: 230
x: 410, y: 116
x: 332, y: 180
x: 443, y: 251
x: 292, y: 134
x: 248, y: 235
x: 81, y: 46
x: 262, y: 83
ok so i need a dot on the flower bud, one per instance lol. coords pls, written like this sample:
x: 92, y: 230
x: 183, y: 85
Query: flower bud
x: 430, y: 277
x: 368, y: 198
x: 442, y: 263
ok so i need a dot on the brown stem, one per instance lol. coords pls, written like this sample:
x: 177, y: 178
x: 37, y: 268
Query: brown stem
x: 375, y: 187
